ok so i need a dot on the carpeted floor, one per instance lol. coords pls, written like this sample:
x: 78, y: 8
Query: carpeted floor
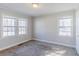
x: 37, y: 48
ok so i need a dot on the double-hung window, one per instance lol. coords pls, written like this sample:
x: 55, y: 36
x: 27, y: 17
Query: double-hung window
x: 65, y: 26
x: 13, y: 26
x: 22, y: 26
x: 8, y: 26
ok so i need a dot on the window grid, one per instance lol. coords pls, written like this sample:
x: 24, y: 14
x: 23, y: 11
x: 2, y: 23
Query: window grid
x: 8, y: 26
x: 65, y: 26
x: 13, y: 26
x: 22, y: 26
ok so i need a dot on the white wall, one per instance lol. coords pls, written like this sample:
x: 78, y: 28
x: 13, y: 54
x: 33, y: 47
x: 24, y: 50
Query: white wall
x: 77, y: 31
x: 46, y: 29
x: 6, y: 42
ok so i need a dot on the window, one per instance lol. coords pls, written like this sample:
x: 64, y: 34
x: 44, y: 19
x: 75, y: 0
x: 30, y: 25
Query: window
x: 8, y: 26
x: 13, y: 26
x: 65, y: 26
x: 22, y: 26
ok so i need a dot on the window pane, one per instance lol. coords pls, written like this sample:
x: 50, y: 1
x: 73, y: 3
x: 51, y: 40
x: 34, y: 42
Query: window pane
x: 65, y: 29
x: 64, y: 33
x: 21, y: 23
x: 65, y: 22
x: 8, y: 31
x: 8, y: 21
x: 61, y: 22
x: 22, y: 30
x: 4, y: 22
x: 11, y: 33
x: 11, y: 29
x: 11, y: 22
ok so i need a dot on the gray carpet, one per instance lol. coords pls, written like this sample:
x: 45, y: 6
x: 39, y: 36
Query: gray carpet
x: 37, y: 48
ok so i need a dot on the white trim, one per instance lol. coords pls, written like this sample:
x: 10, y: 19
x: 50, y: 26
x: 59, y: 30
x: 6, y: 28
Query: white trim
x: 1, y: 49
x: 55, y: 43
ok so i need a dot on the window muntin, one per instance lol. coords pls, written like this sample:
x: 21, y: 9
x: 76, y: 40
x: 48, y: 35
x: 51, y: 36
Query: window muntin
x: 13, y: 26
x: 65, y: 22
x: 8, y: 25
x: 22, y: 26
x: 65, y: 26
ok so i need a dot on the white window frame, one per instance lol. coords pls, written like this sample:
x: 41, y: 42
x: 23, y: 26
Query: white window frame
x: 65, y: 31
x: 8, y: 32
x: 15, y: 26
x: 22, y: 28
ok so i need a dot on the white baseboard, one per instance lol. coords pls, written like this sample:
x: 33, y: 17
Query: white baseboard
x: 55, y: 43
x: 14, y: 45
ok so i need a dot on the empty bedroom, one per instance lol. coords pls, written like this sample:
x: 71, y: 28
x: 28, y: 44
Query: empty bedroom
x: 39, y: 29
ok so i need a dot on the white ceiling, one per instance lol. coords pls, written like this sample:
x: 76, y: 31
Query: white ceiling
x: 44, y: 8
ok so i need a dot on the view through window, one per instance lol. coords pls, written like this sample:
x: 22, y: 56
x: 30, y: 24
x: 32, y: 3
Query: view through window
x: 12, y: 24
x: 65, y: 26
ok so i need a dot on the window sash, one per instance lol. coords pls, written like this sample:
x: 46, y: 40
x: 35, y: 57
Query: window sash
x: 65, y: 26
x: 11, y: 25
x: 65, y: 29
x: 22, y: 23
x: 8, y: 33
x: 65, y: 33
x: 22, y: 30
x: 22, y: 26
x: 9, y: 29
x: 8, y: 21
x: 65, y: 22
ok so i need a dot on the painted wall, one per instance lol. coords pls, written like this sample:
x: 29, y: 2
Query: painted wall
x: 77, y: 31
x: 6, y: 42
x: 46, y: 29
